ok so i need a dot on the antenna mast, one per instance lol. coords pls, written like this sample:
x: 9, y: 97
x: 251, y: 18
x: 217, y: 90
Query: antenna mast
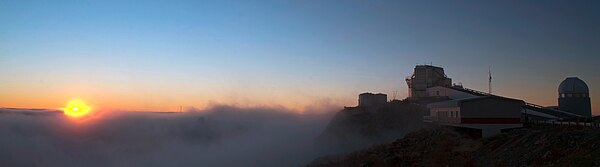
x: 490, y: 80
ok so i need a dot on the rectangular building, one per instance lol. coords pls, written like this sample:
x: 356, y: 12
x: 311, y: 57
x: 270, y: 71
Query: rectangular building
x: 491, y: 114
x: 370, y: 99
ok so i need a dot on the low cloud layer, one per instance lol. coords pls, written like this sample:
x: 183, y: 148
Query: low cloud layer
x: 219, y: 136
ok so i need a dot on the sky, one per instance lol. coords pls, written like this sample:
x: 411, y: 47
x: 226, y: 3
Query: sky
x: 160, y: 55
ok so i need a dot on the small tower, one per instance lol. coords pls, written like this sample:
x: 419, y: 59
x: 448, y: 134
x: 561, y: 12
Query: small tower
x: 574, y: 97
x: 426, y: 76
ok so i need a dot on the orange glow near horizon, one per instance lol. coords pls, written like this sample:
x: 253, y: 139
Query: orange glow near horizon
x: 170, y: 100
x: 76, y: 108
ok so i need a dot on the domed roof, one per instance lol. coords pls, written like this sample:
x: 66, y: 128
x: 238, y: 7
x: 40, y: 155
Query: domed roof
x: 573, y: 85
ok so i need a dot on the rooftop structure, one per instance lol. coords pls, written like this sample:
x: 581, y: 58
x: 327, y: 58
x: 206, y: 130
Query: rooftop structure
x: 453, y: 92
x: 426, y: 76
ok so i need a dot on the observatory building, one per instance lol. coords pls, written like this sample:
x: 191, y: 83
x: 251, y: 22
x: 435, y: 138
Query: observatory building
x: 574, y: 97
x: 490, y: 114
x: 426, y: 76
x: 457, y: 106
x: 370, y: 99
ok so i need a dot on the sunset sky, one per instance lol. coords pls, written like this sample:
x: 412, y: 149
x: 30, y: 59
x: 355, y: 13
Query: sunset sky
x: 160, y: 55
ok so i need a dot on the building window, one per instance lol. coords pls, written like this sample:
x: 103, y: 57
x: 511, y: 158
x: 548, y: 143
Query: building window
x: 562, y: 95
x: 437, y: 93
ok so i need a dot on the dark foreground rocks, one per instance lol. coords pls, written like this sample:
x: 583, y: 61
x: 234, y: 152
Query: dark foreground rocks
x: 534, y: 146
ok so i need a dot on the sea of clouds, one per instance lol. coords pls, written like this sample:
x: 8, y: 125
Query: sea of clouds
x: 221, y: 135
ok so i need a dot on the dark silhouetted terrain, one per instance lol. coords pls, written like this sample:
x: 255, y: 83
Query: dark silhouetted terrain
x: 355, y: 127
x: 536, y: 146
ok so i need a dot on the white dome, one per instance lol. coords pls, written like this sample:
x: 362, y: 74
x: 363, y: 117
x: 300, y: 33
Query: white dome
x: 573, y: 85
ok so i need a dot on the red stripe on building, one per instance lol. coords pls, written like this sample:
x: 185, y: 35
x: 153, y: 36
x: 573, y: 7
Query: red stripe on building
x: 490, y: 120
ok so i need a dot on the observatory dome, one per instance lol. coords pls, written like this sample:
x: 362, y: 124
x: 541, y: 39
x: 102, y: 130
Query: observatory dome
x: 573, y: 85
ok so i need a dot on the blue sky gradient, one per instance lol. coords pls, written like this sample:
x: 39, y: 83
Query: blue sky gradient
x: 158, y: 55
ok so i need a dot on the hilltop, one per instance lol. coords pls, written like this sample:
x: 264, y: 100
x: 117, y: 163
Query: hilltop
x: 534, y: 146
x: 359, y: 127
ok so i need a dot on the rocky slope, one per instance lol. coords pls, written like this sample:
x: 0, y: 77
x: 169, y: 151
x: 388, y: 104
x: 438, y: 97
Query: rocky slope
x: 355, y: 127
x: 533, y: 146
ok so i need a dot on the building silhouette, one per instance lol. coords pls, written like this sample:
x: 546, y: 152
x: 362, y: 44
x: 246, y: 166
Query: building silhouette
x: 426, y: 76
x: 370, y: 99
x: 461, y: 107
x: 574, y: 97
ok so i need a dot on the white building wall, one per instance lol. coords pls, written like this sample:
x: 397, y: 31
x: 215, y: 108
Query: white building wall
x: 539, y: 114
x: 445, y: 114
x: 440, y: 91
x: 488, y: 130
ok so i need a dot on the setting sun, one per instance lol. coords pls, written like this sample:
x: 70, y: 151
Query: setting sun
x: 76, y: 108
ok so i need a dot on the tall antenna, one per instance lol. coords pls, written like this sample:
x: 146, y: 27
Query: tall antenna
x: 426, y: 77
x: 490, y: 80
x: 394, y: 94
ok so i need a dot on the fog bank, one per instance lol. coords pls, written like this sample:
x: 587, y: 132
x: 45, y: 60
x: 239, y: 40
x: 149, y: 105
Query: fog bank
x: 219, y: 136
